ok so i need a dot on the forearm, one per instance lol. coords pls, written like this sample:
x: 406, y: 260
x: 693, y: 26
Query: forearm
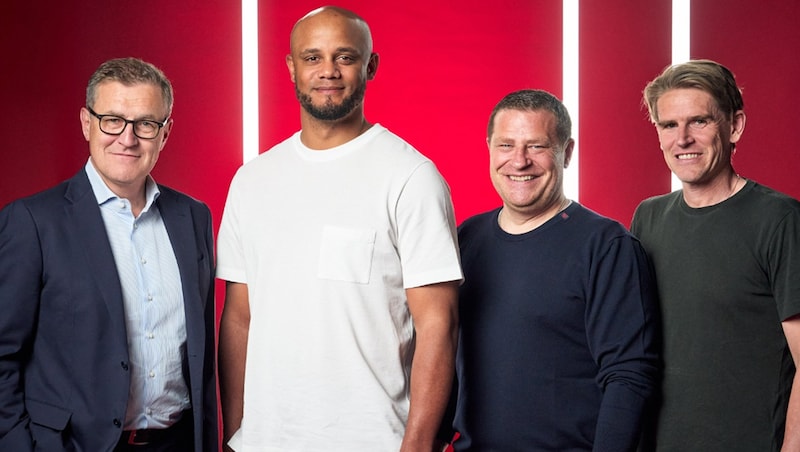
x: 619, y: 421
x: 231, y: 379
x: 14, y: 433
x: 431, y: 379
x: 211, y: 402
x: 234, y: 328
x: 20, y: 280
x: 791, y: 436
x: 435, y: 316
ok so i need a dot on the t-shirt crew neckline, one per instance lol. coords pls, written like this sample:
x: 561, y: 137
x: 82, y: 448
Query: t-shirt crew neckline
x: 560, y: 217
x: 334, y: 153
x: 689, y: 210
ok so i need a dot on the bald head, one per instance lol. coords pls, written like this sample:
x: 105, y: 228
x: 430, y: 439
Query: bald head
x: 330, y: 62
x: 333, y: 16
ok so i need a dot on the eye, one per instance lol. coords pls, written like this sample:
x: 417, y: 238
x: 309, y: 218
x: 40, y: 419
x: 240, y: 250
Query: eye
x: 146, y: 125
x: 538, y: 147
x: 346, y: 59
x: 113, y: 121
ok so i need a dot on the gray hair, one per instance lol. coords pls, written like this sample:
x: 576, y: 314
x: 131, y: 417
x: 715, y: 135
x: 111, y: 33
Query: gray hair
x: 129, y: 71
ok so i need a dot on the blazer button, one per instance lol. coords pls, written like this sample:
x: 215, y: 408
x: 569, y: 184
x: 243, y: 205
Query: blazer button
x: 124, y: 365
x: 117, y: 423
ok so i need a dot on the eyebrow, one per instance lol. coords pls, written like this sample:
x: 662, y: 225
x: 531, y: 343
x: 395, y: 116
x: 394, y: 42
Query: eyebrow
x: 338, y: 50
x: 147, y: 117
x: 707, y: 117
x: 546, y: 142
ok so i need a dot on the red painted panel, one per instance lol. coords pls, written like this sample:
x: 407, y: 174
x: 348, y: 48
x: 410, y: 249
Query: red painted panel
x: 49, y: 54
x: 760, y: 43
x: 43, y: 87
x: 623, y: 45
x: 443, y: 67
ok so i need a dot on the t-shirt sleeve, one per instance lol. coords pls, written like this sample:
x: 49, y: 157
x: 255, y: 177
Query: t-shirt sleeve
x: 426, y: 230
x: 230, y: 254
x: 784, y: 259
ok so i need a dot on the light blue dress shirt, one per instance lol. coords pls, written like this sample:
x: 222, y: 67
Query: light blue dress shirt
x: 153, y: 301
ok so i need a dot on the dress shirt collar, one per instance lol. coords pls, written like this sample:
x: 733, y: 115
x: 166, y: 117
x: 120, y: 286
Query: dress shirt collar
x: 104, y: 194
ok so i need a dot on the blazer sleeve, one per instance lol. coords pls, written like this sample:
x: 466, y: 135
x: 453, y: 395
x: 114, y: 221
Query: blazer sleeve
x: 210, y: 414
x: 20, y: 283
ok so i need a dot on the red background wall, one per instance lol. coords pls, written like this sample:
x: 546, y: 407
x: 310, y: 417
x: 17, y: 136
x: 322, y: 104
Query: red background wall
x: 444, y: 65
x: 50, y: 49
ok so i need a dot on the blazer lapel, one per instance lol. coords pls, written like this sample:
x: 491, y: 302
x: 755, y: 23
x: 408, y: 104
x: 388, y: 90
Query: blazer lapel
x: 180, y: 228
x: 86, y: 224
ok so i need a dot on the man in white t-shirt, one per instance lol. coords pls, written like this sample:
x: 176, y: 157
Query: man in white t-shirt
x: 339, y: 250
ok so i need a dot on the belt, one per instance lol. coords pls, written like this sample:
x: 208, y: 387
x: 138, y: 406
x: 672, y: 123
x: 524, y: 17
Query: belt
x: 148, y: 436
x: 143, y: 437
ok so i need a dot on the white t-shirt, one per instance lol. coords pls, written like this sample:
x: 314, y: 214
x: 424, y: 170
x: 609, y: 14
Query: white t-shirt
x: 327, y: 242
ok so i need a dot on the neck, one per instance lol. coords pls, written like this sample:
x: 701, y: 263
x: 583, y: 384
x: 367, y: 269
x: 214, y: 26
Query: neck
x: 515, y: 222
x: 135, y: 192
x: 320, y: 135
x: 717, y: 191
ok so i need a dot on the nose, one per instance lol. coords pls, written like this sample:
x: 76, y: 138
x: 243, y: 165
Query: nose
x: 684, y: 135
x: 329, y: 69
x: 519, y: 157
x: 127, y: 138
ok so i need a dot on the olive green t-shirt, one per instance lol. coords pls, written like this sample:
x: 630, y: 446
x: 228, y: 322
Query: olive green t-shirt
x: 727, y: 276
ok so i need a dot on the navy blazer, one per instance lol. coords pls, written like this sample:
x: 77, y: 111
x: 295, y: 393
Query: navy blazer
x: 64, y: 372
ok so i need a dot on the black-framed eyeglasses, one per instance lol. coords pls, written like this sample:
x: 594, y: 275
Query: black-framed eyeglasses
x: 146, y: 129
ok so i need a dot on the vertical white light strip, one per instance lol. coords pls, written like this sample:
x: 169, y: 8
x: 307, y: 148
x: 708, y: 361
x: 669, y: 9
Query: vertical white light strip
x: 570, y: 90
x: 681, y: 51
x: 681, y: 30
x: 250, y: 145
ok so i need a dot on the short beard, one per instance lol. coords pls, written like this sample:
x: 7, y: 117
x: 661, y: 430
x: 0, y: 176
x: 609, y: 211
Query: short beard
x: 329, y: 111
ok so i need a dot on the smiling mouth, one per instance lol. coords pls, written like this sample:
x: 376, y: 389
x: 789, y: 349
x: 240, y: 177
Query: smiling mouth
x: 520, y: 178
x: 687, y: 156
x: 119, y: 154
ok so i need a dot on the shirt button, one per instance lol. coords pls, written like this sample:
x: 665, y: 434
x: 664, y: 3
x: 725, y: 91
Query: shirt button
x: 117, y: 423
x: 144, y: 261
x: 152, y: 374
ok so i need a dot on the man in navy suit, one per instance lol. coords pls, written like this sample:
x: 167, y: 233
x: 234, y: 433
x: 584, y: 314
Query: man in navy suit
x: 107, y: 291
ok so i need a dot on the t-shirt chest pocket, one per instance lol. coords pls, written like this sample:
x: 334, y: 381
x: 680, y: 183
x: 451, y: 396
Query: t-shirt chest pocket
x: 346, y: 254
